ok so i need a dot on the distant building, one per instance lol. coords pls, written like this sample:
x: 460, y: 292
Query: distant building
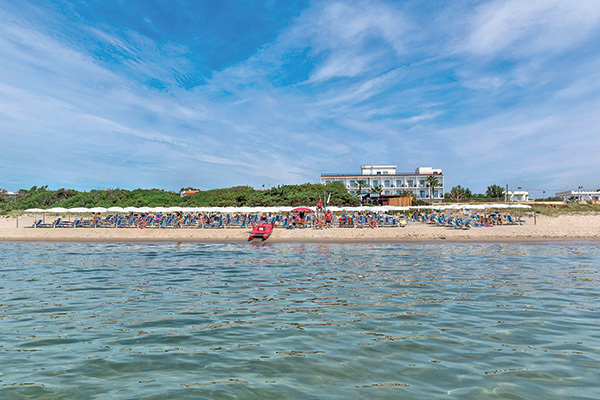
x: 390, y: 181
x: 11, y: 195
x: 184, y: 193
x: 517, y: 195
x: 580, y: 195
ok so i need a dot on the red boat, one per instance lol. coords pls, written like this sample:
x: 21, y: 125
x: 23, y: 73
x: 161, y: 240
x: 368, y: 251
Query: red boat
x: 262, y: 230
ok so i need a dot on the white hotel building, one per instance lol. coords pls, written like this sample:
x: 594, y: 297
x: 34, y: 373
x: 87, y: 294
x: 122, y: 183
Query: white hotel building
x: 391, y: 182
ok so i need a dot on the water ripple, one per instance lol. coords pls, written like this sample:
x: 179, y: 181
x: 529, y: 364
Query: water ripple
x: 299, y: 320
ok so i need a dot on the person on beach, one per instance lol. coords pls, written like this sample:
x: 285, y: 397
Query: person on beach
x: 328, y: 219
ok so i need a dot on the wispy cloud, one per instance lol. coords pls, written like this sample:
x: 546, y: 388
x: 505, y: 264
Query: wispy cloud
x: 488, y: 93
x: 535, y: 27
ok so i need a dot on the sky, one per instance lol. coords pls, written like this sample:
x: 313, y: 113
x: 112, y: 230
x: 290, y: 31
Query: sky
x: 171, y: 94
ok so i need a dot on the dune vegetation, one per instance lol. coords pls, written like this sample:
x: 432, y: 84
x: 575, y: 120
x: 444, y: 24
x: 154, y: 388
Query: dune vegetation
x: 286, y: 195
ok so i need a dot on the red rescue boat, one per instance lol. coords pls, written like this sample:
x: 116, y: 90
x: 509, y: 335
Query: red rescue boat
x: 262, y: 230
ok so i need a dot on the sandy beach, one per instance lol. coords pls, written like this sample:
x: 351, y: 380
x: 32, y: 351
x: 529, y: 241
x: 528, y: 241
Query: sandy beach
x: 562, y: 228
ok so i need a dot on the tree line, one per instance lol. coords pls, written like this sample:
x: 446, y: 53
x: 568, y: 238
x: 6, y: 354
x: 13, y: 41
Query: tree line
x: 458, y: 193
x: 238, y: 196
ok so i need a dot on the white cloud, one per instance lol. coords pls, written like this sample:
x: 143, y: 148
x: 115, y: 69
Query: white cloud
x: 365, y: 91
x: 545, y: 144
x: 525, y: 28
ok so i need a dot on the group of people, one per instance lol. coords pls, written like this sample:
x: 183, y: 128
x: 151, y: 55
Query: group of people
x: 493, y: 219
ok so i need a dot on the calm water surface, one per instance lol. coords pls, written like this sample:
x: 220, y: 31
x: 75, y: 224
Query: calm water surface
x: 224, y: 321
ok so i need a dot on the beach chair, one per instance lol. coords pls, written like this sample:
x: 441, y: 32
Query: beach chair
x: 121, y: 223
x: 361, y: 221
x: 512, y: 221
x: 350, y: 222
x: 40, y: 224
x: 59, y: 223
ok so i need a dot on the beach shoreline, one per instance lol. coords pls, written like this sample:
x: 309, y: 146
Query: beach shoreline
x: 545, y: 229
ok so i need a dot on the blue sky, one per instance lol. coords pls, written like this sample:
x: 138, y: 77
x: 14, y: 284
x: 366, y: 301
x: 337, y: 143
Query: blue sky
x: 210, y: 94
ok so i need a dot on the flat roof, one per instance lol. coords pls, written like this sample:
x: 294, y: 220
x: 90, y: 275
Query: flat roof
x: 376, y: 175
x: 577, y: 192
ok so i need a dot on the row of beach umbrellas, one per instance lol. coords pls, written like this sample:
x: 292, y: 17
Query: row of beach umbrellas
x: 247, y: 210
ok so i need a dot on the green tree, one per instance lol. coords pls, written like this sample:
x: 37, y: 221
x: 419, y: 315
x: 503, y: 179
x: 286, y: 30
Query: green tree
x: 287, y: 195
x: 432, y: 183
x: 376, y: 189
x: 458, y: 194
x: 361, y: 183
x: 495, y: 191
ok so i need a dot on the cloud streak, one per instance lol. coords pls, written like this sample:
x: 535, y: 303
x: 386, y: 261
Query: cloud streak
x: 136, y: 103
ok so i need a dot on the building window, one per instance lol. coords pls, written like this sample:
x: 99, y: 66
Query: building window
x: 326, y: 182
x: 422, y: 194
x: 410, y: 183
x: 398, y: 183
x: 386, y: 183
x: 386, y: 192
x: 352, y: 183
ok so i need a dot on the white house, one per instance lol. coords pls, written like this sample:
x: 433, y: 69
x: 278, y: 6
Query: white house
x: 390, y: 181
x: 517, y: 195
x: 581, y: 195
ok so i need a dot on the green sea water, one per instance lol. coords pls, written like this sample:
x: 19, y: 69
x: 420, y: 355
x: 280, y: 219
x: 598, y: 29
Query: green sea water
x: 299, y: 321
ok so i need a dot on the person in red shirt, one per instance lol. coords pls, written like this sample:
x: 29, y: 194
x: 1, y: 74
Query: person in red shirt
x: 328, y: 219
x: 319, y: 204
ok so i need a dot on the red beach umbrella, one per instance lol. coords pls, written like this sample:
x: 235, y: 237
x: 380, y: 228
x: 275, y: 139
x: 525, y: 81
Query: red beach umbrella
x: 302, y: 209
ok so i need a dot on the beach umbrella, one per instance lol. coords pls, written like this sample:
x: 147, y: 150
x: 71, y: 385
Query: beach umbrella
x: 302, y: 209
x: 497, y: 205
x: 399, y: 208
x: 78, y: 210
x: 159, y: 209
x: 472, y: 207
x: 35, y: 210
x: 57, y: 210
x: 520, y: 206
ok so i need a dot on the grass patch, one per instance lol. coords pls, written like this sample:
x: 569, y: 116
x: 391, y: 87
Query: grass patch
x: 554, y: 210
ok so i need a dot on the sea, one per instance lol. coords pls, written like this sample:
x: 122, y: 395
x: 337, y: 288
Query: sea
x: 300, y: 321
